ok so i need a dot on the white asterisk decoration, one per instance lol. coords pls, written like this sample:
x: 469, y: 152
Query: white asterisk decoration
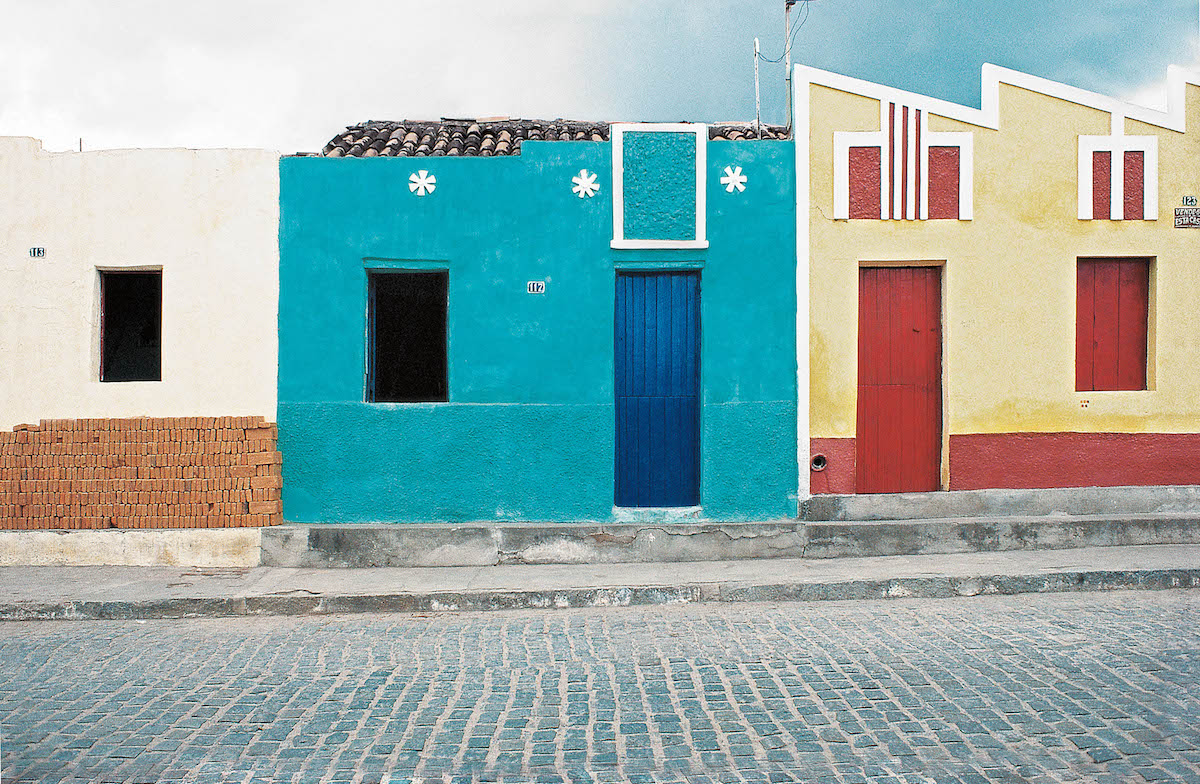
x: 585, y: 184
x: 422, y: 183
x: 734, y: 179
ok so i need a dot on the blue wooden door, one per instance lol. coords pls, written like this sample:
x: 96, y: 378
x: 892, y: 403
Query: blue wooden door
x: 657, y: 386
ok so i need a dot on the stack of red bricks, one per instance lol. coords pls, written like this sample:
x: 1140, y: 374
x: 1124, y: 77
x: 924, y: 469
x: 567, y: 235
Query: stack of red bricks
x: 181, y: 472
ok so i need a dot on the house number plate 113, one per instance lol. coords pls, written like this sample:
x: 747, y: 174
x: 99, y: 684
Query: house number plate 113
x: 535, y: 287
x: 37, y: 253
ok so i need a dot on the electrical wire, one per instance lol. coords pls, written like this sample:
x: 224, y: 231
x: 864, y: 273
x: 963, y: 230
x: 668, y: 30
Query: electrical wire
x: 791, y: 34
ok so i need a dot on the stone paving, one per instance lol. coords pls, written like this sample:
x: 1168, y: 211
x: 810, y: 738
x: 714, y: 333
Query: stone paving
x: 1050, y: 688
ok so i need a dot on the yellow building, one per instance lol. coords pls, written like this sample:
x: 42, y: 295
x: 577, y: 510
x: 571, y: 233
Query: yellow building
x: 1000, y: 297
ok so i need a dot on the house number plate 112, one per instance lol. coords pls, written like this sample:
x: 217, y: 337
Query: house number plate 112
x: 535, y: 287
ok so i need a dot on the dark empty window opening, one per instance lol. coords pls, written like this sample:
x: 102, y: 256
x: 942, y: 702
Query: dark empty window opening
x: 406, y: 352
x: 130, y: 326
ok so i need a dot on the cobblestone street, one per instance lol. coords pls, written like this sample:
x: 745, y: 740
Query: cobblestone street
x: 1055, y: 688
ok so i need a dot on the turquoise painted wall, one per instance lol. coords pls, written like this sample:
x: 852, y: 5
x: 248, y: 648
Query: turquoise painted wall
x: 528, y: 433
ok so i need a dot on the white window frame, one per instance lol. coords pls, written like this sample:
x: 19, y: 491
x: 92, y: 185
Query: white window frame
x: 617, y: 135
x: 844, y: 140
x: 1117, y: 146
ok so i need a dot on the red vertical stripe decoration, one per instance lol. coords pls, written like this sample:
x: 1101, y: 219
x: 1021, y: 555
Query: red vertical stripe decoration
x: 1135, y: 185
x: 917, y: 187
x: 904, y: 164
x: 864, y: 183
x: 1101, y: 185
x: 917, y: 173
x: 943, y: 183
x: 892, y: 161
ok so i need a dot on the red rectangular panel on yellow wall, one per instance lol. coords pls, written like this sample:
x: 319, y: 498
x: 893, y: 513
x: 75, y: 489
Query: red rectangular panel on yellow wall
x: 864, y: 183
x: 943, y: 183
x: 1112, y: 309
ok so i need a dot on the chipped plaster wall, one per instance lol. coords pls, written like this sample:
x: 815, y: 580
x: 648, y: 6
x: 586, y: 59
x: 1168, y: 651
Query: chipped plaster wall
x: 207, y: 218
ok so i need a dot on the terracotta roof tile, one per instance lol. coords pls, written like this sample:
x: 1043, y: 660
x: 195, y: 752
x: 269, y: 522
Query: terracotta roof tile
x: 490, y: 136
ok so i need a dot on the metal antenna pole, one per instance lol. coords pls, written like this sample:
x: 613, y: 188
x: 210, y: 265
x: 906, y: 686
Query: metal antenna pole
x: 757, y: 103
x: 787, y: 57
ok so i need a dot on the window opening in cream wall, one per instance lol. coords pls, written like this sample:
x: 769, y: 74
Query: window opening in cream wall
x: 130, y: 326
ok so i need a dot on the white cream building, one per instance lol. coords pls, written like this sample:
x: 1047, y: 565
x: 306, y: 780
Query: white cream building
x: 190, y: 443
x: 208, y: 219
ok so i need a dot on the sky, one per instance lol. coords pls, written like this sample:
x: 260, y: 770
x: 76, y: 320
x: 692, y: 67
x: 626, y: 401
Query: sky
x: 289, y: 75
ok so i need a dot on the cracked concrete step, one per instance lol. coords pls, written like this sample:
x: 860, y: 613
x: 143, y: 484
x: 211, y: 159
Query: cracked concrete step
x: 1055, y: 501
x: 64, y: 593
x: 405, y: 545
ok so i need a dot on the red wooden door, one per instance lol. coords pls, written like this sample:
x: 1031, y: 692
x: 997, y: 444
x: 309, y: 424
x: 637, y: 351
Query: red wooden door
x: 899, y: 439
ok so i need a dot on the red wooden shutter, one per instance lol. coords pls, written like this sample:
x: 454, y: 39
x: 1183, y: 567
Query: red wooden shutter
x: 1112, y: 310
x: 1085, y: 319
x: 1133, y: 300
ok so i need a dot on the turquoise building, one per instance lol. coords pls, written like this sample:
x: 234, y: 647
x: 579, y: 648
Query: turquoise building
x: 528, y: 321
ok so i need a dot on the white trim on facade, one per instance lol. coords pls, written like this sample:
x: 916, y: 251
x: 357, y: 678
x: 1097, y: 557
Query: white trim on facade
x: 1118, y: 144
x: 800, y: 136
x: 993, y: 76
x: 918, y: 160
x: 617, y: 136
x: 965, y: 142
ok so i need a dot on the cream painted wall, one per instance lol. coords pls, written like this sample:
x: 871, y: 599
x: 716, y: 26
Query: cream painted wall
x: 1010, y: 275
x: 207, y: 218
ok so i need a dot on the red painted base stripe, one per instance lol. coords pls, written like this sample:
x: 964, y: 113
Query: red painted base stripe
x: 1038, y: 460
x: 838, y: 476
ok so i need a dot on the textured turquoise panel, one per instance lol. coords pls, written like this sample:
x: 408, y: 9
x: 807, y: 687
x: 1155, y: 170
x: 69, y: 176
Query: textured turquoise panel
x: 659, y: 185
x: 432, y: 463
x: 528, y: 433
x: 745, y: 446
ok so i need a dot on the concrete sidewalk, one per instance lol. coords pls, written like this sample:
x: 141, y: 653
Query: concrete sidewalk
x: 121, y: 592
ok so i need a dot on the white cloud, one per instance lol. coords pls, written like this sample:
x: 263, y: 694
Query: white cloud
x: 1154, y: 93
x: 285, y: 75
x: 288, y: 74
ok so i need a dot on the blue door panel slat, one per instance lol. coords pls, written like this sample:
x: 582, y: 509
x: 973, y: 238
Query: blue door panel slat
x: 644, y: 466
x: 694, y: 451
x: 678, y: 333
x: 623, y: 493
x: 666, y: 335
x: 656, y: 354
x: 694, y: 338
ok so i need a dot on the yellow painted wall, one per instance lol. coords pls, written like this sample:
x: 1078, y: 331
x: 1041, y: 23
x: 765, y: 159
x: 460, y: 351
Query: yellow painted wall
x: 1010, y: 275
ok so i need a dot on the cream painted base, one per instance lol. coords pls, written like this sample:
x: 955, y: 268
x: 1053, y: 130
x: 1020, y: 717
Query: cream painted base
x: 113, y: 547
